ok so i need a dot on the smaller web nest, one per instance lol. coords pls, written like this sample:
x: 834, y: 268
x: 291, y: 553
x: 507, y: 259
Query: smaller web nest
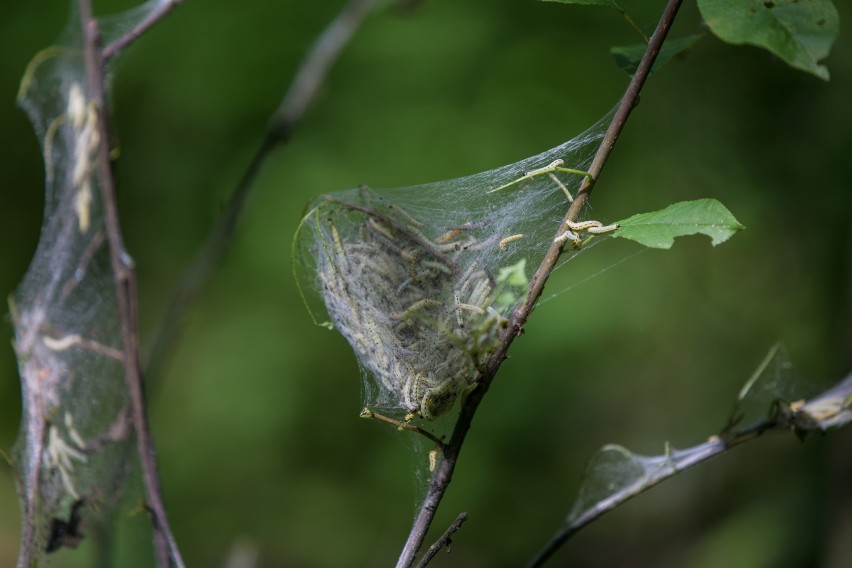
x: 421, y: 280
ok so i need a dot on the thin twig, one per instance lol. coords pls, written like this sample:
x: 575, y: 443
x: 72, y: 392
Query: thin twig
x: 322, y: 56
x: 125, y: 283
x: 373, y: 415
x: 135, y: 32
x: 302, y: 92
x: 444, y: 542
x: 446, y: 466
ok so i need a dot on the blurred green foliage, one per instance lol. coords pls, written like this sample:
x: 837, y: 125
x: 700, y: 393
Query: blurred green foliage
x: 256, y: 416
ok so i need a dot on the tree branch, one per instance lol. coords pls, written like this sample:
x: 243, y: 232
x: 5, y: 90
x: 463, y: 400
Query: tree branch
x: 830, y: 409
x: 693, y: 456
x: 444, y: 471
x: 302, y: 92
x: 125, y: 283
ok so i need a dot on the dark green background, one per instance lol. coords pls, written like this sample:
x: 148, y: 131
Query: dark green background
x: 256, y: 415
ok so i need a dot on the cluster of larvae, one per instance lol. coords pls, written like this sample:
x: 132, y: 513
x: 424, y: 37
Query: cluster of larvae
x: 416, y: 310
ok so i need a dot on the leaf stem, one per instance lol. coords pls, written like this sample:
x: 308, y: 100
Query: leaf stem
x: 618, y: 8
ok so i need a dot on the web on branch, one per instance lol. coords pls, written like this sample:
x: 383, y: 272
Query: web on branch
x: 764, y: 404
x: 770, y: 384
x: 75, y: 449
x: 421, y: 280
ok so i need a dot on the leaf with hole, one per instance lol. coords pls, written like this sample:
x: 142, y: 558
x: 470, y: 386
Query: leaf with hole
x: 799, y: 32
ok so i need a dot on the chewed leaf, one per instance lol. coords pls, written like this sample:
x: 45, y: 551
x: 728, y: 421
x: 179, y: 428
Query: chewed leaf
x: 800, y: 33
x: 627, y: 57
x: 658, y: 229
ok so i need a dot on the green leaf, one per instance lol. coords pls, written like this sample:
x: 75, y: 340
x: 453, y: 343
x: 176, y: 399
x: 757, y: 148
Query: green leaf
x: 801, y: 32
x: 658, y: 229
x: 627, y: 57
x: 514, y: 275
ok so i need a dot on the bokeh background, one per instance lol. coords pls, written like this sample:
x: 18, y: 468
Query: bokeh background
x: 256, y: 413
